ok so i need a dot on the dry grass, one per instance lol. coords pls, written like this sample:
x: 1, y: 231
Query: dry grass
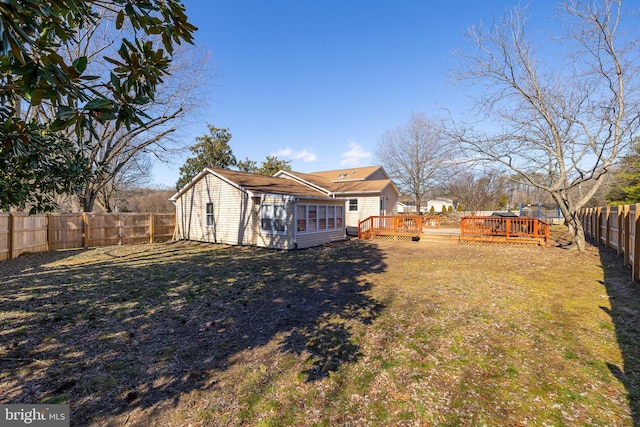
x: 357, y: 333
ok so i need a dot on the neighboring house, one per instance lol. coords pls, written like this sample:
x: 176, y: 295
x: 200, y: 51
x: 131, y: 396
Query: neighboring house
x: 368, y: 190
x: 438, y: 204
x: 407, y: 206
x: 239, y: 208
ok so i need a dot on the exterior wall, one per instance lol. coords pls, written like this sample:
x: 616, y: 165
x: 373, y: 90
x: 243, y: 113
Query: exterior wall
x: 271, y: 239
x: 368, y: 205
x: 377, y: 175
x: 233, y: 219
x: 391, y: 201
x: 319, y: 237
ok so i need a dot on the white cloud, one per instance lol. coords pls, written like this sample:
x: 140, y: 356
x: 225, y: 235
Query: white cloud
x: 304, y: 155
x: 355, y: 155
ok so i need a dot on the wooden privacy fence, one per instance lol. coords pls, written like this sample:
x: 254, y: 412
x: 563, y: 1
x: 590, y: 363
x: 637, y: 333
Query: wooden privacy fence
x: 615, y: 227
x: 20, y: 232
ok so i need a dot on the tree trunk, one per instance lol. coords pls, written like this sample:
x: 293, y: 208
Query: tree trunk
x: 571, y: 219
x: 88, y: 200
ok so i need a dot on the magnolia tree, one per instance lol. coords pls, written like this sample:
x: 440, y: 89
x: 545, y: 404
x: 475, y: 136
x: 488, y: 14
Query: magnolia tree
x: 44, y: 92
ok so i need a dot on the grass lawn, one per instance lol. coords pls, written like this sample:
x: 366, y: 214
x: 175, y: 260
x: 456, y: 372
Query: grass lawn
x: 355, y: 333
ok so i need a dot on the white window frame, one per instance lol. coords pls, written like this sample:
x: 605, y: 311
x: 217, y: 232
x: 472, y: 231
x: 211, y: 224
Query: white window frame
x: 351, y: 205
x: 209, y: 215
x: 334, y: 219
x: 275, y: 215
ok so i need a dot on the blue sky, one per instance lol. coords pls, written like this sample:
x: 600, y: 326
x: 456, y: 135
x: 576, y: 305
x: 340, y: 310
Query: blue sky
x: 318, y: 82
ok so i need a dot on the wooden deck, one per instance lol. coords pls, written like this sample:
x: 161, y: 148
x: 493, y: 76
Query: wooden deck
x: 509, y: 230
x: 518, y: 230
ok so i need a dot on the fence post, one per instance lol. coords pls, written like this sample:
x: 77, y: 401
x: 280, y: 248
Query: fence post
x: 607, y: 230
x: 120, y: 224
x: 626, y: 234
x: 635, y: 264
x: 49, y: 232
x: 85, y: 231
x: 152, y: 219
x: 11, y: 219
x: 620, y: 217
x: 598, y: 236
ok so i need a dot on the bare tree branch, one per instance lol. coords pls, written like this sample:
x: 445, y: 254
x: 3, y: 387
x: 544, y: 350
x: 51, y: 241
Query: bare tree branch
x: 563, y: 124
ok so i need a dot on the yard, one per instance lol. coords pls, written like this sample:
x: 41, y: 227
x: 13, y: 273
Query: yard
x: 355, y: 333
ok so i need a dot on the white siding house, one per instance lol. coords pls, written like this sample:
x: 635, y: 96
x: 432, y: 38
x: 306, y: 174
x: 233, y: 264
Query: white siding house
x: 367, y: 191
x: 238, y: 208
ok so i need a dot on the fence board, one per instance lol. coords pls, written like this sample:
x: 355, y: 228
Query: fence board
x: 28, y: 234
x: 104, y: 230
x: 20, y: 232
x: 4, y: 236
x: 65, y: 231
x: 616, y: 227
x: 135, y: 228
x: 163, y: 227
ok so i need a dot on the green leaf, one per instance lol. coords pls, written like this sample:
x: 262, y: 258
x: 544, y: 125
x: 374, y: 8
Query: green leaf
x: 119, y: 20
x: 98, y: 103
x: 80, y: 64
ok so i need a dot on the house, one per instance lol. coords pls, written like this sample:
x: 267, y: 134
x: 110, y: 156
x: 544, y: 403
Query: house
x: 408, y: 206
x: 439, y: 204
x: 239, y: 208
x: 368, y: 191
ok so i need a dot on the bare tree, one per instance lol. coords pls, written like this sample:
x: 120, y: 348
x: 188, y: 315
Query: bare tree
x: 415, y: 156
x: 563, y: 119
x: 111, y: 152
x: 476, y: 191
x: 135, y: 173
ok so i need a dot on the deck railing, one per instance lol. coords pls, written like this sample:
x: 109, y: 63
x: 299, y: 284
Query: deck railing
x: 410, y: 224
x: 508, y: 227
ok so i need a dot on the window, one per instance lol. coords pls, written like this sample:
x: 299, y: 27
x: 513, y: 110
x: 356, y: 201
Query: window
x: 266, y: 217
x: 209, y: 215
x: 322, y: 217
x: 331, y: 217
x: 279, y: 218
x: 302, y: 218
x: 311, y: 218
x: 353, y: 205
x: 273, y: 218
